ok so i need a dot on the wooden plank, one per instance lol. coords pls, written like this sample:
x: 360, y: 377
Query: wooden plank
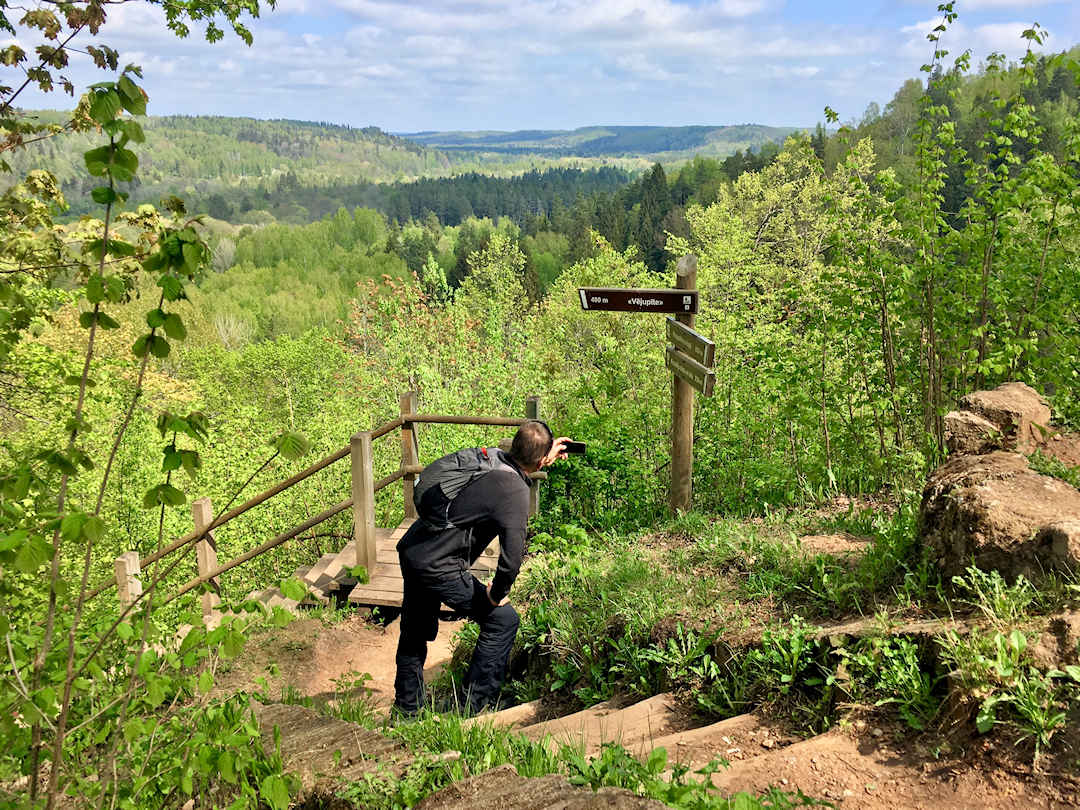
x: 202, y: 514
x: 693, y: 344
x: 617, y: 299
x: 690, y: 371
x: 363, y: 499
x: 410, y: 450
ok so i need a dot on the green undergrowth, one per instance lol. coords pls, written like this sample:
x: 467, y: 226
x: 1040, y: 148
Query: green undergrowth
x: 480, y: 747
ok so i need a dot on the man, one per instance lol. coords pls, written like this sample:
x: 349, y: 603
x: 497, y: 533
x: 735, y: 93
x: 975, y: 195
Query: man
x: 435, y: 561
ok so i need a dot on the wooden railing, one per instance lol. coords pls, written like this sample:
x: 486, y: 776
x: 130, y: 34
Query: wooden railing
x: 128, y: 566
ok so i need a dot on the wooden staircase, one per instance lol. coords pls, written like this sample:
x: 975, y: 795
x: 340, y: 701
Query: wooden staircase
x: 330, y: 575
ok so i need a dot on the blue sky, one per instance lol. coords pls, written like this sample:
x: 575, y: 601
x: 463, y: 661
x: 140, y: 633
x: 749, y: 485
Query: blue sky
x: 560, y: 64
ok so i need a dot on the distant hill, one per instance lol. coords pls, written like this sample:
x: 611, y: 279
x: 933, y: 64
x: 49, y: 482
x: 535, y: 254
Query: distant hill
x: 667, y: 143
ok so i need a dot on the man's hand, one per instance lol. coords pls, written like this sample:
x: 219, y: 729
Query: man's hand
x: 557, y: 452
x: 505, y: 601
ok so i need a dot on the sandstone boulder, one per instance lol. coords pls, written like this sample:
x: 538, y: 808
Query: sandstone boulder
x: 967, y: 433
x: 993, y: 511
x: 1017, y: 411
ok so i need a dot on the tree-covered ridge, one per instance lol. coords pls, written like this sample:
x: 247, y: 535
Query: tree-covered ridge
x: 651, y: 141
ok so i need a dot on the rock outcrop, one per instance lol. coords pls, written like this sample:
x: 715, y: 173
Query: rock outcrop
x: 993, y: 511
x: 1012, y: 416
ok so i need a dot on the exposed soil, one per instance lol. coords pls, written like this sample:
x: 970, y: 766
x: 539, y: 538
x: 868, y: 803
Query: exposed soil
x: 1065, y: 447
x: 311, y: 655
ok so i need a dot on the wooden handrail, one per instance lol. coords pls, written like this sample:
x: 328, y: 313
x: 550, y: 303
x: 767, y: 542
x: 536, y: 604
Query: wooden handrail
x: 383, y: 429
x: 236, y: 511
x: 500, y: 421
x: 405, y: 420
x: 261, y: 549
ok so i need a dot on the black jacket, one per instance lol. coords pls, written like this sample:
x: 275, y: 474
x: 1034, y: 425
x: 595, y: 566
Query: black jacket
x: 497, y: 503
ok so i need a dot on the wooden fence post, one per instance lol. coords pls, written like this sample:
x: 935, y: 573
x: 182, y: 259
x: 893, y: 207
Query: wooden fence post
x: 410, y: 451
x: 682, y: 408
x: 128, y: 586
x: 363, y: 497
x: 202, y: 512
x: 532, y: 411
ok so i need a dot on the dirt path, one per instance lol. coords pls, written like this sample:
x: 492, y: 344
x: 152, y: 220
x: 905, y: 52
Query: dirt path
x: 313, y: 657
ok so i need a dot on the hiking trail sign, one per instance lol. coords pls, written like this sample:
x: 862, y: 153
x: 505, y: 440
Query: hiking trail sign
x: 689, y: 358
x: 614, y: 299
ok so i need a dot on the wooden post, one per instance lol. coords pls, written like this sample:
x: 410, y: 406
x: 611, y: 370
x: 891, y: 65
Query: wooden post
x: 363, y: 497
x: 410, y: 451
x: 128, y: 587
x: 682, y: 407
x: 532, y: 411
x: 202, y: 513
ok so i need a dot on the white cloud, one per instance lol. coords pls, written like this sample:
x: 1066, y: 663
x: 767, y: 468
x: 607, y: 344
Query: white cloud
x: 492, y: 64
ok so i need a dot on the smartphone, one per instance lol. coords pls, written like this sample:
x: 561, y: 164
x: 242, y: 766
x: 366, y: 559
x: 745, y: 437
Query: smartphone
x: 575, y: 448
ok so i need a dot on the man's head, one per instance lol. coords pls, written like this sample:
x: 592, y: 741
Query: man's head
x: 532, y: 443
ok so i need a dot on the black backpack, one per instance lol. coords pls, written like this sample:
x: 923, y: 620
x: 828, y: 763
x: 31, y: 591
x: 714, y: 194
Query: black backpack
x: 442, y: 481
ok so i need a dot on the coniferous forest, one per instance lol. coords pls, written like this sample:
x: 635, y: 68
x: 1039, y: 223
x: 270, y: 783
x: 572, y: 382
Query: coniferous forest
x: 199, y: 307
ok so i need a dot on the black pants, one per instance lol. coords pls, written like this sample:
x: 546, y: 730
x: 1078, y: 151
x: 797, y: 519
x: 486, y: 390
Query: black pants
x: 420, y: 624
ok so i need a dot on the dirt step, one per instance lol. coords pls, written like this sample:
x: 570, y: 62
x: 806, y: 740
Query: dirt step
x: 309, y: 742
x: 737, y: 738
x: 633, y: 726
x: 524, y: 714
x: 868, y: 773
x: 502, y: 789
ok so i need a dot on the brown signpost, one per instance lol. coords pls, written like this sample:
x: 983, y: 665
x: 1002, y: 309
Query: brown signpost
x: 689, y: 359
x: 700, y: 377
x: 613, y: 299
x: 691, y: 343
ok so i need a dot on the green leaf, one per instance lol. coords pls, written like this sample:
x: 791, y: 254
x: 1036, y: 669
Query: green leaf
x: 191, y: 460
x: 360, y: 574
x: 104, y: 195
x: 232, y: 644
x: 106, y: 321
x: 226, y: 768
x: 93, y: 529
x: 294, y: 589
x: 163, y: 495
x: 657, y: 761
x: 291, y: 445
x: 275, y: 792
x: 133, y: 130
x: 35, y: 552
x: 171, y: 287
x: 105, y: 106
x: 171, y: 461
x: 97, y: 160
x: 124, y: 631
x: 133, y: 729
x: 174, y: 327
x: 125, y: 164
x: 131, y: 96
x: 141, y: 346
x: 206, y: 681
x: 95, y: 288
x: 1073, y: 672
x: 192, y: 257
x: 159, y: 346
x: 155, y: 318
x: 71, y: 526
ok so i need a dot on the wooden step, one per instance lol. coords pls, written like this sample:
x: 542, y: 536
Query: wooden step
x: 316, y: 571
x: 310, y: 742
x: 734, y: 739
x: 503, y: 788
x: 520, y: 716
x: 633, y: 727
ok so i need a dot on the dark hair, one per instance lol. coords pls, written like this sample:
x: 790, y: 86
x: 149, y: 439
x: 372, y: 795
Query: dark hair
x: 531, y: 443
